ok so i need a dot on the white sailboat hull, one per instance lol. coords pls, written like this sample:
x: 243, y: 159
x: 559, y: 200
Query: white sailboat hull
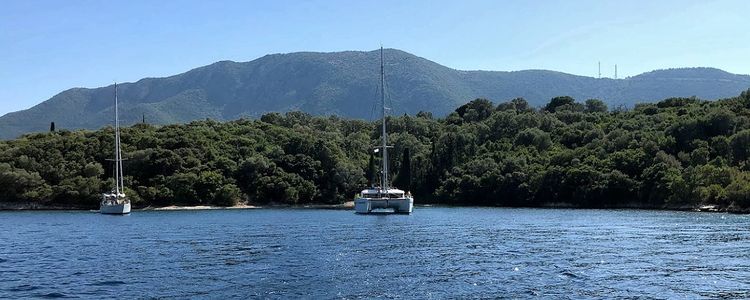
x: 115, y: 209
x: 398, y: 205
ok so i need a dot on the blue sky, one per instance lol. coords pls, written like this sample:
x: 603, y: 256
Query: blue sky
x: 49, y: 46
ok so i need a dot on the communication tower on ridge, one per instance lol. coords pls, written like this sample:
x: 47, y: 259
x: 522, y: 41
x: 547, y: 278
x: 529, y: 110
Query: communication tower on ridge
x: 615, y: 71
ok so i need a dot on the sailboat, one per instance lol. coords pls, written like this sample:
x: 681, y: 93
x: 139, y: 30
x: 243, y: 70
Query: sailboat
x: 116, y: 202
x: 383, y: 197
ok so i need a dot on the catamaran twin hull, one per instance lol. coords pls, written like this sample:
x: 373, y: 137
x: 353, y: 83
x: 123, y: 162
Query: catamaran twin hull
x: 398, y: 205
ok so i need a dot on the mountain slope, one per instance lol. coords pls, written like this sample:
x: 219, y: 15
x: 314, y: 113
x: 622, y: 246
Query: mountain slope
x: 345, y: 83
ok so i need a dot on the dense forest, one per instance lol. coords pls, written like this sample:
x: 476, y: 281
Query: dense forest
x: 677, y: 153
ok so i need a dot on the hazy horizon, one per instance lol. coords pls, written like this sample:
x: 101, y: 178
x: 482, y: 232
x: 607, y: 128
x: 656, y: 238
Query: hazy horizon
x: 53, y: 46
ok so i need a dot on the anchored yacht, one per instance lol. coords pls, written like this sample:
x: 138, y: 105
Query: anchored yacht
x: 116, y: 202
x: 383, y: 197
x: 374, y: 199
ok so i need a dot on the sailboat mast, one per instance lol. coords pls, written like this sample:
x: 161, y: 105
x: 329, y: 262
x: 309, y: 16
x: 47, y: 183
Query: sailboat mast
x: 117, y: 165
x: 385, y: 134
x: 119, y: 186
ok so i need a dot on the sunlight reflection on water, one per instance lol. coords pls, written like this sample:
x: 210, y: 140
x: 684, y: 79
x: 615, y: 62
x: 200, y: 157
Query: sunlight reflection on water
x: 436, y: 252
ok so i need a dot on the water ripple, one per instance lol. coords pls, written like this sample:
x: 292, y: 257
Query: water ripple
x: 433, y: 253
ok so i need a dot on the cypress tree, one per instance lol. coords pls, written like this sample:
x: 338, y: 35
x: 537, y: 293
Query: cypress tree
x: 52, y: 127
x: 403, y: 181
x: 371, y: 170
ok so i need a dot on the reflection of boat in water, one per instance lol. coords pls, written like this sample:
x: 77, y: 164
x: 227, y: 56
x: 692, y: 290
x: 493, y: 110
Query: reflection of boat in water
x: 116, y: 202
x: 383, y: 197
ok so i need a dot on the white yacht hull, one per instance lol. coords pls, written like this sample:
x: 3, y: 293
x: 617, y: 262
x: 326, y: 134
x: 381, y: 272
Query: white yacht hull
x: 115, y: 209
x: 398, y: 205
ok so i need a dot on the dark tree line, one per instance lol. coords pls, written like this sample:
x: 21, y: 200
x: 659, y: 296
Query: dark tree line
x: 680, y: 152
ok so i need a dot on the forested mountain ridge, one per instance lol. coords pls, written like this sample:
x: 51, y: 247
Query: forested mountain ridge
x: 676, y: 153
x: 345, y: 84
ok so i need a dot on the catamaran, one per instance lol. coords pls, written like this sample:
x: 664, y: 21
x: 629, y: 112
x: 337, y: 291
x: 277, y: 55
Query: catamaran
x: 116, y: 202
x: 383, y: 197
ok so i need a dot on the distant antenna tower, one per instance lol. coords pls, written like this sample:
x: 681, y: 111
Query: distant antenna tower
x: 600, y: 70
x: 615, y: 71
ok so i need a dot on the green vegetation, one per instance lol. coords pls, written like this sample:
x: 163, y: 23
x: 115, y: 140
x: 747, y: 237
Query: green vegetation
x: 677, y: 153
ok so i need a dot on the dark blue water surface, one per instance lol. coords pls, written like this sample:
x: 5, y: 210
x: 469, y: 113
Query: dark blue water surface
x: 433, y: 253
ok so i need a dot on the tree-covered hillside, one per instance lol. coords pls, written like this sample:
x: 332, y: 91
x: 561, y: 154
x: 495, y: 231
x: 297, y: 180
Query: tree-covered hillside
x: 345, y: 84
x: 679, y: 152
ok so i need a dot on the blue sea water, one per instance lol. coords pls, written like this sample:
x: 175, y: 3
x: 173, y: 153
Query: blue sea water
x: 436, y: 252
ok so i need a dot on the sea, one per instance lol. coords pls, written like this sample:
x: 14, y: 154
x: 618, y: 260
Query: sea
x: 434, y: 253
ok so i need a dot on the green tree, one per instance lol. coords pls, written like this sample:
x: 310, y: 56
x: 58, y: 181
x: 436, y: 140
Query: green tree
x: 534, y: 137
x: 371, y: 170
x: 228, y: 195
x: 21, y: 185
x: 595, y: 105
x: 740, y: 143
x: 557, y: 102
x: 476, y: 110
x: 403, y: 179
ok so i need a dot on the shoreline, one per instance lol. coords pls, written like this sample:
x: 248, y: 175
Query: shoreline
x: 194, y: 207
x: 10, y: 206
x: 343, y: 206
x: 349, y: 205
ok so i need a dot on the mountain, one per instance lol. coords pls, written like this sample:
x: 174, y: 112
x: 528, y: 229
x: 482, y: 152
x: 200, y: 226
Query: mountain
x: 345, y: 84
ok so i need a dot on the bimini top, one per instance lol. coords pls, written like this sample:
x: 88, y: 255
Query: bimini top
x: 380, y: 193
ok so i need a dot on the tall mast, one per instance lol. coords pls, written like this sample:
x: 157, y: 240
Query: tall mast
x: 117, y: 148
x: 385, y: 134
x: 119, y: 183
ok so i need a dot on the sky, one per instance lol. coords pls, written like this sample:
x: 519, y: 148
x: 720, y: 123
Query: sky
x: 49, y: 46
